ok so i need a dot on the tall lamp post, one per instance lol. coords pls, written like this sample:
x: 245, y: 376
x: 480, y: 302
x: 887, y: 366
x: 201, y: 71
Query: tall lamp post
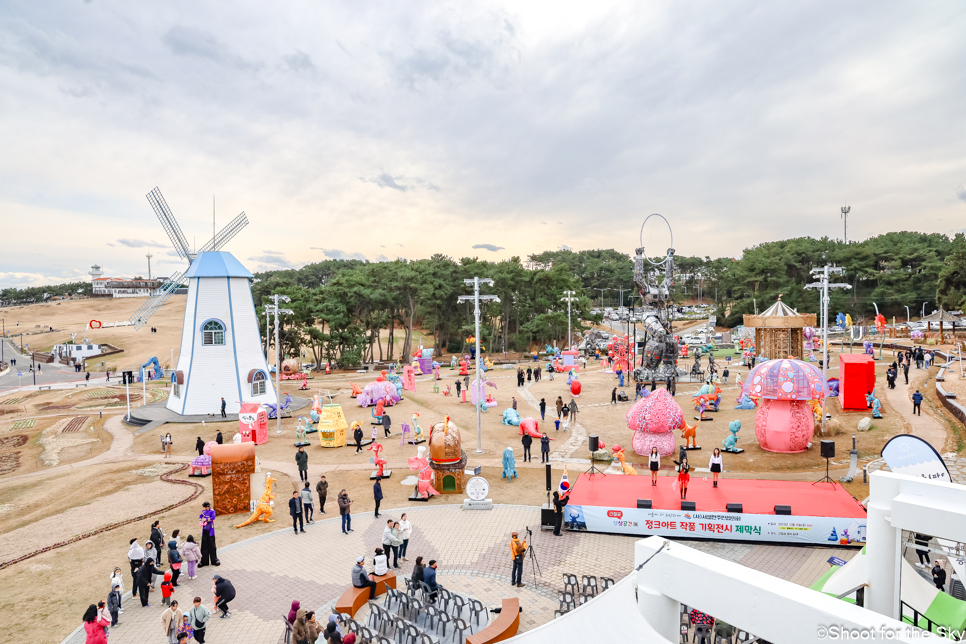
x: 908, y: 318
x: 845, y: 216
x: 823, y: 284
x: 476, y: 297
x: 568, y: 298
x: 273, y: 308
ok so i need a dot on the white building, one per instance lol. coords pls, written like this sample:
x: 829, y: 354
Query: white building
x: 221, y: 354
x: 77, y: 352
x: 120, y: 287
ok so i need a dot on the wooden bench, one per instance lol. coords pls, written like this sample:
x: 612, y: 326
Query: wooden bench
x: 355, y: 598
x: 503, y: 627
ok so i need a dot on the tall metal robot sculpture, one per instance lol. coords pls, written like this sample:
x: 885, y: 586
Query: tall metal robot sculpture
x: 659, y: 361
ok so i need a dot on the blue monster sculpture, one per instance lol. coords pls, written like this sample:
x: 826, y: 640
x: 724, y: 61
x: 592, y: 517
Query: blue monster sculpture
x: 833, y: 387
x: 876, y: 405
x: 511, y: 417
x: 731, y: 443
x: 509, y: 464
x: 745, y: 402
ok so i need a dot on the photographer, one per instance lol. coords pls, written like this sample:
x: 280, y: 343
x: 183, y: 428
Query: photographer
x: 517, y: 551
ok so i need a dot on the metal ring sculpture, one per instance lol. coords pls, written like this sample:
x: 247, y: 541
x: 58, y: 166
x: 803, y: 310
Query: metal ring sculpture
x: 670, y: 232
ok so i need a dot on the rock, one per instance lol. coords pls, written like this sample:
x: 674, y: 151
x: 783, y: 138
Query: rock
x: 834, y: 424
x: 865, y: 424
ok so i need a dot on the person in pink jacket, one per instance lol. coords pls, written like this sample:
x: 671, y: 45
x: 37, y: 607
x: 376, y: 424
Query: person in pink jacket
x: 94, y: 627
x: 192, y: 555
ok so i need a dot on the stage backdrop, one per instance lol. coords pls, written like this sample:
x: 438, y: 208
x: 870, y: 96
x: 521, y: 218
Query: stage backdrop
x: 707, y: 525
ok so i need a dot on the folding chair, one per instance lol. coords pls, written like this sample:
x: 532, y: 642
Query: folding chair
x: 570, y: 582
x: 605, y: 583
x: 477, y: 610
x: 288, y: 629
x: 566, y: 600
x: 459, y: 630
x: 589, y: 581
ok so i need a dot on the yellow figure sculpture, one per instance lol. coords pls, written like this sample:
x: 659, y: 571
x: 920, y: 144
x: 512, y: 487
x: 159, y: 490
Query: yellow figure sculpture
x: 626, y: 467
x: 263, y: 511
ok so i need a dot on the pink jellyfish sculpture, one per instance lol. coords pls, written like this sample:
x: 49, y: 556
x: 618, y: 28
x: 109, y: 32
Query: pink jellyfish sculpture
x: 654, y: 420
x: 784, y: 422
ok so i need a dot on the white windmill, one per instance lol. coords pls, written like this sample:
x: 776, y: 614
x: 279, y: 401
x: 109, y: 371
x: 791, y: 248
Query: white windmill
x: 220, y: 354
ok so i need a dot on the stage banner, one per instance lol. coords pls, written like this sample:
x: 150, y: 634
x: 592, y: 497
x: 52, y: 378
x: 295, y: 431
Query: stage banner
x: 910, y: 455
x: 713, y: 525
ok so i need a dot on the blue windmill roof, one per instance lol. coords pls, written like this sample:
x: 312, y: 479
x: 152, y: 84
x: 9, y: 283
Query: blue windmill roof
x: 216, y: 264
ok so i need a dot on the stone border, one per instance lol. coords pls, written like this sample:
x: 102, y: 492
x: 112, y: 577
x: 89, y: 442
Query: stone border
x: 947, y: 399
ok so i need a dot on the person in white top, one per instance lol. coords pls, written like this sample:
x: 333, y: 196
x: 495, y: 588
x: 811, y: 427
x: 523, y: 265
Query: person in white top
x: 405, y: 532
x: 654, y: 463
x: 715, y: 465
x: 382, y: 563
x: 117, y: 579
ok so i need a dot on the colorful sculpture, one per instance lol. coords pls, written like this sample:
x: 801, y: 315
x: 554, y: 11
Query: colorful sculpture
x: 300, y: 439
x: 872, y: 400
x: 784, y: 421
x: 379, y: 390
x: 531, y: 427
x: 509, y: 464
x: 424, y: 474
x: 625, y: 467
x: 201, y: 465
x: 446, y: 457
x: 377, y: 412
x: 690, y: 435
x: 731, y: 442
x: 263, y: 511
x: 653, y: 420
x: 745, y: 402
x: 417, y: 430
x: 464, y: 367
x: 575, y: 388
x: 833, y: 387
x: 377, y: 460
x: 483, y: 398
x: 511, y: 417
x: 356, y: 390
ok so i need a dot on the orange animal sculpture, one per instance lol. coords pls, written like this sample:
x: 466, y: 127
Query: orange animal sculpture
x: 263, y: 511
x: 619, y: 455
x: 356, y: 389
x: 689, y: 434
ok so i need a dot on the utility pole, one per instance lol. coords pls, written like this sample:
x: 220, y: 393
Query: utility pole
x: 149, y: 256
x: 268, y: 328
x: 845, y: 231
x: 273, y: 308
x: 823, y: 284
x: 476, y: 297
x: 568, y: 298
x: 602, y: 296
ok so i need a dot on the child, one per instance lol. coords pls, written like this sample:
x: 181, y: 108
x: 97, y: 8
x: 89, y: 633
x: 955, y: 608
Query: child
x: 185, y: 627
x: 174, y: 560
x: 556, y: 424
x: 192, y: 555
x: 103, y: 614
x: 114, y: 604
x: 167, y: 589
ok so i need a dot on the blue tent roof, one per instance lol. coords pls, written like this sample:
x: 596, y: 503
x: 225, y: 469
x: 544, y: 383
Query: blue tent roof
x: 216, y: 264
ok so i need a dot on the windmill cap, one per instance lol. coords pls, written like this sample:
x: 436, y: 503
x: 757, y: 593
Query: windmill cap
x: 217, y: 264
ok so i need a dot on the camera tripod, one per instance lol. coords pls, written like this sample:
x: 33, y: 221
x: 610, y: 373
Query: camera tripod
x: 534, y: 566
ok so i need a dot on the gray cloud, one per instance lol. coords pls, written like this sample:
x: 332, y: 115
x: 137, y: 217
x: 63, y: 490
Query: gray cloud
x: 139, y: 243
x: 300, y: 63
x: 335, y: 253
x: 386, y: 180
x: 490, y: 247
x: 198, y: 43
x: 961, y: 193
x: 273, y: 260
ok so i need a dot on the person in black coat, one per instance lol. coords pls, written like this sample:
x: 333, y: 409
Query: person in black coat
x: 939, y: 576
x: 386, y: 423
x: 224, y: 593
x: 295, y: 509
x: 543, y: 409
x: 200, y: 446
x: 377, y: 493
x: 527, y: 441
x: 418, y: 571
x: 157, y: 537
x: 143, y: 580
x: 545, y: 448
x: 114, y: 604
x: 218, y: 438
x: 302, y: 460
x: 357, y: 435
x: 558, y: 505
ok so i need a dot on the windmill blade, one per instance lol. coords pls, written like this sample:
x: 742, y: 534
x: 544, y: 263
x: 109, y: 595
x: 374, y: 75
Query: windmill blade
x: 225, y: 234
x: 140, y: 317
x: 170, y: 224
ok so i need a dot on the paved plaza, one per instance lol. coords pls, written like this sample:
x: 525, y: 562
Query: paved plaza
x: 271, y: 570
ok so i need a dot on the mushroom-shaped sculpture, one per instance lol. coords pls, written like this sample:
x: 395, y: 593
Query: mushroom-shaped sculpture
x: 446, y: 457
x: 784, y: 421
x: 653, y: 420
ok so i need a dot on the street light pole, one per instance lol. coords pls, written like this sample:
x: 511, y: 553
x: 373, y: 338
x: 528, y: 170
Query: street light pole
x: 476, y: 297
x: 823, y: 284
x: 278, y: 366
x: 845, y: 216
x: 908, y: 318
x: 568, y: 298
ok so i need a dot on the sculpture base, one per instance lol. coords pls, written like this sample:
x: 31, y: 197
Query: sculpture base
x: 699, y: 418
x: 415, y: 497
x: 311, y: 431
x: 200, y: 476
x: 688, y: 449
x: 416, y: 442
x: 375, y: 473
x: 736, y: 450
x: 305, y: 444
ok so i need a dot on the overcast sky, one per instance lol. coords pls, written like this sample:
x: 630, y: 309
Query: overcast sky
x: 380, y: 130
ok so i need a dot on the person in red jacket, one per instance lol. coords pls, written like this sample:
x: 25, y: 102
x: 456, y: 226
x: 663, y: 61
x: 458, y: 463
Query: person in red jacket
x: 167, y: 589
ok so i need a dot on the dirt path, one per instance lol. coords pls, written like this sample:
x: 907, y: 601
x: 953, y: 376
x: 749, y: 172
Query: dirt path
x: 926, y: 426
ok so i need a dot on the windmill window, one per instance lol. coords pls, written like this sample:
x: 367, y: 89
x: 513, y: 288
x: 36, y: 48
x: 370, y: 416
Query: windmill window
x: 212, y: 333
x: 258, y: 383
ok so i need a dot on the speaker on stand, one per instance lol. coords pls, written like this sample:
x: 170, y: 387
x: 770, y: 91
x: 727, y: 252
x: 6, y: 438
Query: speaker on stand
x: 546, y: 513
x: 828, y: 451
x: 593, y: 444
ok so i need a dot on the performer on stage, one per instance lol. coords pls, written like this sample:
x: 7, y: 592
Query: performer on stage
x: 654, y: 462
x: 683, y: 476
x: 559, y: 502
x: 715, y: 465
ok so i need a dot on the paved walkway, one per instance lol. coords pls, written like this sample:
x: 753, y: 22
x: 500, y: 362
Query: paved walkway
x: 271, y: 570
x: 925, y: 426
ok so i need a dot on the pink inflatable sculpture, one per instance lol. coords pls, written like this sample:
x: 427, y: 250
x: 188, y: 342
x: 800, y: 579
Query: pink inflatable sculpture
x: 654, y: 420
x: 784, y: 422
x: 531, y: 427
x: 201, y: 465
x: 378, y: 390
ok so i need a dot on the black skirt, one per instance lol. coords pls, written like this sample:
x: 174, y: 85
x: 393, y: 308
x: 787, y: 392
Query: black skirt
x: 655, y: 466
x: 716, y: 468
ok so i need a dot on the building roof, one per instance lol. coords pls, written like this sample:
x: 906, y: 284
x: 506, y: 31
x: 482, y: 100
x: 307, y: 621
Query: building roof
x: 779, y: 309
x: 217, y: 264
x: 940, y: 316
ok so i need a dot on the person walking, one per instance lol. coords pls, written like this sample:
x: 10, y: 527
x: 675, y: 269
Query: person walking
x: 224, y: 593
x: 322, y: 489
x: 200, y: 446
x: 209, y: 549
x: 391, y: 541
x: 922, y: 540
x: 94, y: 627
x: 715, y: 465
x: 114, y: 604
x: 559, y: 503
x: 939, y: 576
x: 566, y: 417
x: 637, y: 390
x: 543, y: 409
x: 198, y: 617
x: 405, y: 533
x: 192, y: 555
x: 377, y: 494
x: 905, y: 371
x: 917, y: 403
x: 527, y: 441
x: 302, y: 460
x: 87, y: 376
x: 142, y: 582
x: 559, y: 405
x: 174, y: 561
x: 223, y: 404
x: 459, y: 386
x: 529, y: 374
x: 307, y: 506
x: 513, y: 403
x: 518, y: 549
x: 135, y: 557
x: 345, y: 511
x: 357, y: 435
x: 725, y: 374
x: 573, y: 411
x: 545, y: 448
x: 613, y: 396
x: 295, y: 511
x: 386, y: 423
x: 170, y: 620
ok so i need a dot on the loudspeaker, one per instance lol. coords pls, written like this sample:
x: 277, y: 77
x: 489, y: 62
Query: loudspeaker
x: 828, y: 449
x: 643, y: 504
x: 734, y: 507
x: 783, y: 509
x: 128, y: 378
x: 687, y: 505
x: 546, y: 517
x: 549, y: 484
x: 594, y: 443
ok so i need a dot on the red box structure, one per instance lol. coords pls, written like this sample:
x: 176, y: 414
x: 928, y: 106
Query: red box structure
x: 253, y: 423
x: 856, y: 379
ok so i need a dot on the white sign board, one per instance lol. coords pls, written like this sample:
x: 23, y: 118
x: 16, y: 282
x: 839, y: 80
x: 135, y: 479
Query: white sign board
x: 477, y: 488
x: 912, y: 456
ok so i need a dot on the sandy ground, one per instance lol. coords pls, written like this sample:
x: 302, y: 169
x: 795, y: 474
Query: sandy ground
x: 43, y: 445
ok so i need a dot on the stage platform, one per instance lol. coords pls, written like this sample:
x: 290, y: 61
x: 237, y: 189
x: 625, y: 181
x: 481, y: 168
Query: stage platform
x: 823, y: 513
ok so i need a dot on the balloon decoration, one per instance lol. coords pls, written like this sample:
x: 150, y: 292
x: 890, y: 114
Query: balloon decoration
x: 575, y: 388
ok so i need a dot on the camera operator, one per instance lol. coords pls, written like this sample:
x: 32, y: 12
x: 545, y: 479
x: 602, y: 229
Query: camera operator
x: 517, y: 551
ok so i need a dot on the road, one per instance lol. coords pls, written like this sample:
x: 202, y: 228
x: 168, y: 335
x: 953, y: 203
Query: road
x: 51, y: 373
